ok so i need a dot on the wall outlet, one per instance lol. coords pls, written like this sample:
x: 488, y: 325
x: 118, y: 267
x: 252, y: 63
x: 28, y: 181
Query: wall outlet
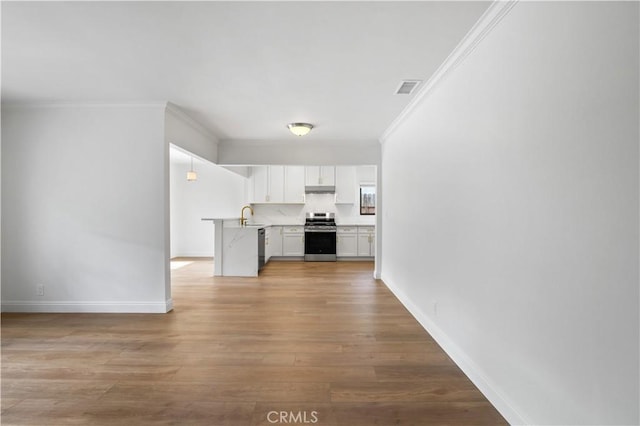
x: 40, y: 290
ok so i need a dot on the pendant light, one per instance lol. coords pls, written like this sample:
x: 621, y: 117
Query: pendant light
x: 191, y: 174
x: 300, y: 129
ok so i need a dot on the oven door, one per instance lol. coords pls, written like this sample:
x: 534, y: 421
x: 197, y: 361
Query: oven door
x: 320, y: 245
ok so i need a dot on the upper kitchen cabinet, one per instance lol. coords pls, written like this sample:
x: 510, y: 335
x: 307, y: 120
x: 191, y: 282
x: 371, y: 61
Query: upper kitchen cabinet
x: 294, y: 184
x: 259, y: 184
x: 277, y: 184
x: 268, y: 184
x: 320, y: 175
x: 345, y: 184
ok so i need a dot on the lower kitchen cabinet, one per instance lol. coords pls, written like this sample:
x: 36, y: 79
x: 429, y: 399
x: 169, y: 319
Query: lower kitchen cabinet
x: 293, y: 241
x: 273, y: 241
x: 347, y: 241
x: 351, y: 241
x: 366, y: 241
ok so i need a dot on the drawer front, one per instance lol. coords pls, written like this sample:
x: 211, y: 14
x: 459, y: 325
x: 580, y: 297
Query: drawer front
x: 347, y: 230
x: 293, y: 229
x: 366, y: 229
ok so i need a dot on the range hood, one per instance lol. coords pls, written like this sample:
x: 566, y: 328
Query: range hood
x: 320, y: 189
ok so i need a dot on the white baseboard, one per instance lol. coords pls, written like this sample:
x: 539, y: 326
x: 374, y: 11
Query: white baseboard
x: 28, y: 306
x: 462, y: 360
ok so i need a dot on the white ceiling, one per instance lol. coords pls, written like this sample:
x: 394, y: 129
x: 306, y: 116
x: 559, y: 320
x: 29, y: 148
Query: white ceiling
x: 242, y: 69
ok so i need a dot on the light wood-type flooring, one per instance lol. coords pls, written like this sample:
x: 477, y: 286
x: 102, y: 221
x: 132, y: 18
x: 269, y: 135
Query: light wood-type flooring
x: 305, y: 343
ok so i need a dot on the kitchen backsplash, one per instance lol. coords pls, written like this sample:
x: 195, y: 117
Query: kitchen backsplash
x: 289, y: 214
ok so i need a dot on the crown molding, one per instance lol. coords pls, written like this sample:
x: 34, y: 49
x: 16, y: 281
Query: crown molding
x: 178, y: 113
x: 77, y: 104
x: 489, y: 19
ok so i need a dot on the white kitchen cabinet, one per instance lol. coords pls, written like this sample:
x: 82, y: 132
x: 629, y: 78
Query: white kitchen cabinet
x: 267, y: 249
x: 293, y: 241
x: 320, y: 175
x: 345, y: 185
x: 268, y: 184
x: 273, y: 241
x: 347, y: 241
x: 294, y: 184
x: 366, y: 241
x: 260, y: 183
x: 276, y: 184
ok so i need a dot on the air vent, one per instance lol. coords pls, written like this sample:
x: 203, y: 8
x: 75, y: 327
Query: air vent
x: 407, y: 87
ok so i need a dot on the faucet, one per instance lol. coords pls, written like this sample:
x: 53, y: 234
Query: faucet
x: 243, y: 220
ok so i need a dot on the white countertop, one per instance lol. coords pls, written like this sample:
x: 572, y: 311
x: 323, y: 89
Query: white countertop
x: 229, y: 223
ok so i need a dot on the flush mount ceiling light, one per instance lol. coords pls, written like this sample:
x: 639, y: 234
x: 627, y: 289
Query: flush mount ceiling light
x: 300, y: 129
x: 191, y: 174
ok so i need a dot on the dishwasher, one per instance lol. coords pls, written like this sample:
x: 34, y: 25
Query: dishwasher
x: 261, y: 258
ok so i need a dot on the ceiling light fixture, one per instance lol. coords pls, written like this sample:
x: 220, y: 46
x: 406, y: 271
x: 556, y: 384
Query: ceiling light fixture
x: 191, y: 174
x: 300, y: 129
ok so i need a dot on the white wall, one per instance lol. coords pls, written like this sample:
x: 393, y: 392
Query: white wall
x: 327, y: 153
x: 522, y: 167
x: 83, y: 208
x: 218, y: 193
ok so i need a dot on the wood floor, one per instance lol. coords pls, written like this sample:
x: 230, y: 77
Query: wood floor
x: 305, y: 343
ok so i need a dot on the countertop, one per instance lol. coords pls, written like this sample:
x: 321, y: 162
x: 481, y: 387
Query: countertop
x: 234, y: 222
x: 267, y: 224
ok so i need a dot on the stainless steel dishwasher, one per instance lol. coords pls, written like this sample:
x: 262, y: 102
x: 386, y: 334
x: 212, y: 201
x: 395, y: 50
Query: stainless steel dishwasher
x: 261, y: 234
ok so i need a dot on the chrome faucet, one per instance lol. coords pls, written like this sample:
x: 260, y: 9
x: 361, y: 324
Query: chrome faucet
x: 243, y: 220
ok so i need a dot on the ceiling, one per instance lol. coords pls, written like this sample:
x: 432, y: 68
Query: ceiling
x: 242, y: 69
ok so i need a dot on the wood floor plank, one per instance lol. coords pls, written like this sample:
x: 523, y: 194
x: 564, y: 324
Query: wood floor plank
x: 452, y: 389
x: 417, y: 414
x: 374, y: 358
x: 211, y: 359
x: 275, y: 374
x: 303, y: 338
x: 276, y: 392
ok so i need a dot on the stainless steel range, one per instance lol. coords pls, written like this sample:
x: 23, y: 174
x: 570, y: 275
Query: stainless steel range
x: 320, y: 237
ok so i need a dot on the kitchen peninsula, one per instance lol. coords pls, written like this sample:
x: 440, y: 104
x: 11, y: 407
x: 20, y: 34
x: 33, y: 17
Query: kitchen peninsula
x: 239, y: 248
